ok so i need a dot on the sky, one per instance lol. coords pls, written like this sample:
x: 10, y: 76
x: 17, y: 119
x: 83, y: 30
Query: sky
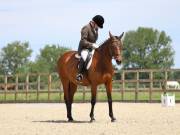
x: 44, y: 22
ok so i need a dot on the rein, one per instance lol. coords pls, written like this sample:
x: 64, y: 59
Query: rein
x: 111, y: 44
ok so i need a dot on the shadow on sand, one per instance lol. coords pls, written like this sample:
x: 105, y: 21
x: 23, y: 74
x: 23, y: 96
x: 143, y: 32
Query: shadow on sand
x: 61, y: 121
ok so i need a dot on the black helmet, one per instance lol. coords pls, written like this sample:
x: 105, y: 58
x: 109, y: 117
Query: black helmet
x: 99, y: 20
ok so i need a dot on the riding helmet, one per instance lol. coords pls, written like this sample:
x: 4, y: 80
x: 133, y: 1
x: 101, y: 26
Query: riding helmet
x: 99, y: 20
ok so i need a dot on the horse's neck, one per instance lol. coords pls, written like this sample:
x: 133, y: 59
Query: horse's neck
x: 104, y: 51
x: 105, y: 58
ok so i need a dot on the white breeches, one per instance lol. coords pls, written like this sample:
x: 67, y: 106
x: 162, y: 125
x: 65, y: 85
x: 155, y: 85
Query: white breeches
x: 84, y: 54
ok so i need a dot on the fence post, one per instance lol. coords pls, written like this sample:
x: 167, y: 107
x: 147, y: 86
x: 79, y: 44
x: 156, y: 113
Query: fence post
x: 61, y: 89
x: 123, y: 85
x: 84, y: 93
x: 39, y: 81
x: 49, y: 86
x: 27, y: 86
x: 16, y: 89
x: 165, y: 84
x: 137, y: 86
x: 151, y: 86
x: 5, y: 88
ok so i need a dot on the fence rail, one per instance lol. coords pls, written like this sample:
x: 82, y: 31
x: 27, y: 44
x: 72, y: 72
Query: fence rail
x: 129, y: 85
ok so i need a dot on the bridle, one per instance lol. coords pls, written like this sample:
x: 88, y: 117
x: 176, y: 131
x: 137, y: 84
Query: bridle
x: 115, y: 49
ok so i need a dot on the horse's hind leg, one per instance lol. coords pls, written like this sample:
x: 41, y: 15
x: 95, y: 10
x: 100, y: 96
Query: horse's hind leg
x: 67, y: 97
x: 72, y: 90
x: 93, y: 101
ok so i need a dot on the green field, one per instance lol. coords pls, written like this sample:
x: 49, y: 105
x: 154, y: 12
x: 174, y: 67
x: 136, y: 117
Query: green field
x: 81, y: 97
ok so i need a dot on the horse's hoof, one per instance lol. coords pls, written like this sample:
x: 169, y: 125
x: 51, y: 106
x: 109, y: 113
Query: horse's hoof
x: 92, y: 120
x: 113, y: 120
x: 70, y: 120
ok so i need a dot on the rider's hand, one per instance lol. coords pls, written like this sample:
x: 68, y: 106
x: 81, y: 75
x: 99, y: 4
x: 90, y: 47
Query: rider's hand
x: 95, y: 46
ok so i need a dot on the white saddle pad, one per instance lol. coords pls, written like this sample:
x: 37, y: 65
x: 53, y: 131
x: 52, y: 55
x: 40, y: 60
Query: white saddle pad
x: 89, y: 63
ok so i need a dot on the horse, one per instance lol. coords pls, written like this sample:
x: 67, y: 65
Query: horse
x: 172, y: 84
x: 100, y: 72
x: 8, y: 87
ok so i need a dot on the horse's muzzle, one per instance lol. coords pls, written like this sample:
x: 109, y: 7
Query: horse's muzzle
x: 118, y: 62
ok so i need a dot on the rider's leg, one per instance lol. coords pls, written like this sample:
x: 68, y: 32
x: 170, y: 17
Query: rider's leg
x: 80, y: 70
x: 88, y: 64
x: 84, y: 54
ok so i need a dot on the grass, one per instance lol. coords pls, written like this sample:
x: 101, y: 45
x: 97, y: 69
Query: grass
x: 116, y: 96
x: 143, y: 96
x: 78, y: 97
x: 129, y: 96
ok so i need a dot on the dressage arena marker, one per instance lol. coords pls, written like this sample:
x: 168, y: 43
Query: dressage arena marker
x: 167, y: 100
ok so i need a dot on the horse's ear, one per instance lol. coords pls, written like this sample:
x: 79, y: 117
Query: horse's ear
x: 110, y: 35
x: 121, y: 35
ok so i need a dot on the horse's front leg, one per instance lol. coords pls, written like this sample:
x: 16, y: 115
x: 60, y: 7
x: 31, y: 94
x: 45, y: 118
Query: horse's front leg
x: 93, y: 101
x: 69, y: 107
x: 109, y: 90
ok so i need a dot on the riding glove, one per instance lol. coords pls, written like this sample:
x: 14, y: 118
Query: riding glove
x: 95, y: 46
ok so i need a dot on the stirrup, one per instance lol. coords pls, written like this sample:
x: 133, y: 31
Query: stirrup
x: 79, y: 77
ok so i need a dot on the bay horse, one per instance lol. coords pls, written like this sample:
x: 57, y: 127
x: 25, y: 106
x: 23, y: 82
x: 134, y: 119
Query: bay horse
x: 100, y: 72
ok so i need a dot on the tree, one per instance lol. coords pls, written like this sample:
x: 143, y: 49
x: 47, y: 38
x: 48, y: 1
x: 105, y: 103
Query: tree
x: 15, y: 56
x: 47, y: 60
x: 147, y: 48
x: 1, y: 65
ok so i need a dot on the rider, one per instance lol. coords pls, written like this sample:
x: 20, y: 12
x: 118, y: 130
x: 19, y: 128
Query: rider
x: 89, y: 36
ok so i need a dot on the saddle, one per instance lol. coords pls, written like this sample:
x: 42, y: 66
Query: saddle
x: 88, y: 61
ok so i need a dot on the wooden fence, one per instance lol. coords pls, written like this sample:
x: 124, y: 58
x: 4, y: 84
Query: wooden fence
x: 145, y: 85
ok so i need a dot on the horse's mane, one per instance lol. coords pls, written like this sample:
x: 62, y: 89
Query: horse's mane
x: 103, y: 43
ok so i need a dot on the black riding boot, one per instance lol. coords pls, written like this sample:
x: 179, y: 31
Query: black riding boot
x: 79, y: 76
